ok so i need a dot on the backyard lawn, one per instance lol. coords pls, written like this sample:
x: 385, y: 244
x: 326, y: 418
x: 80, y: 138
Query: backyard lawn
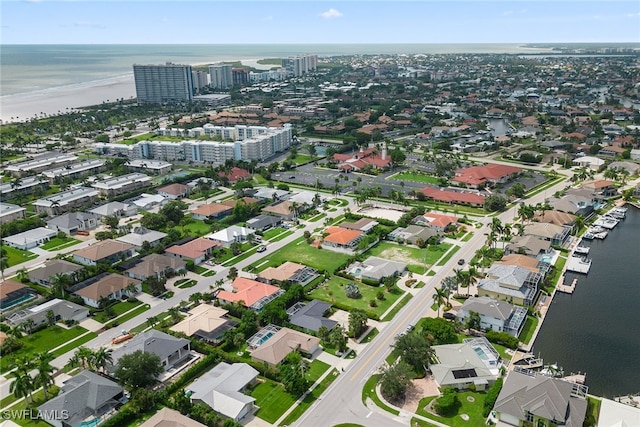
x: 471, y: 404
x: 414, y: 257
x: 17, y: 256
x: 415, y: 177
x: 195, y: 228
x: 301, y: 252
x: 528, y: 329
x: 332, y: 291
x: 272, y: 400
x: 57, y: 243
x: 44, y: 340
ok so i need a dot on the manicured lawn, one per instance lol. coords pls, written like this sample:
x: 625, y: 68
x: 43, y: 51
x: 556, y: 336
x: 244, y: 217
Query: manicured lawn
x: 199, y: 269
x: 302, y: 159
x: 272, y: 400
x: 448, y: 256
x: 333, y: 291
x: 414, y: 257
x: 310, y: 398
x: 408, y: 176
x: 371, y: 335
x: 209, y: 273
x: 369, y: 390
x: 272, y: 232
x: 75, y: 343
x: 43, y: 340
x: 183, y: 284
x: 281, y: 236
x: 56, y: 243
x: 133, y: 313
x: 398, y: 307
x: 39, y: 399
x: 528, y: 329
x: 317, y: 218
x: 195, y: 228
x: 17, y: 256
x: 316, y: 369
x: 118, y: 309
x: 301, y: 252
x: 472, y: 408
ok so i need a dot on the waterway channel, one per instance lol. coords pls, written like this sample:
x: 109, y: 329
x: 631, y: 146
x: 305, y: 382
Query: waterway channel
x: 597, y: 329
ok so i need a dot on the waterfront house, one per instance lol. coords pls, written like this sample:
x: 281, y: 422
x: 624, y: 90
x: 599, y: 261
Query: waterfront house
x: 495, y: 315
x: 555, y: 217
x: 532, y: 246
x: 510, y: 283
x: 556, y: 234
x: 473, y: 362
x: 601, y: 189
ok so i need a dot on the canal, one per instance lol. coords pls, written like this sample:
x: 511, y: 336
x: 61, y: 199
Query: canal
x: 597, y: 329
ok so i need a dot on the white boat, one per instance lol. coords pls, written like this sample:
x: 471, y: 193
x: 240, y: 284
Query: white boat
x: 582, y: 250
x: 588, y: 236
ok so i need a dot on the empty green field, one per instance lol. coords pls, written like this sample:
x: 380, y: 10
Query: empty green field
x: 301, y: 252
x: 417, y: 259
x: 408, y: 176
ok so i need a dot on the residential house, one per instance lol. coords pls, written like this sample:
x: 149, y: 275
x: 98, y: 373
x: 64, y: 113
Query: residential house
x: 246, y: 200
x: 65, y: 201
x: 436, y: 221
x: 233, y: 234
x: 167, y: 417
x: 480, y: 176
x: 288, y: 272
x: 510, y: 283
x: 13, y: 293
x: 284, y: 341
x: 377, y: 269
x: 117, y: 209
x: 575, y: 203
x: 528, y: 245
x: 174, y: 191
x: 211, y: 211
x: 363, y: 224
x: 222, y: 389
x: 106, y: 285
x: 611, y: 151
x: 205, y: 322
x: 285, y: 210
x: 413, y: 234
x: 146, y: 201
x: 44, y: 276
x: 71, y: 223
x: 263, y: 222
x: 196, y: 250
x: 616, y: 414
x: 9, y: 213
x: 561, y: 219
x: 252, y: 294
x: 342, y: 240
x: 85, y: 396
x: 30, y: 238
x: 601, y: 189
x: 234, y: 175
x: 62, y: 311
x: 555, y: 234
x: 531, y: 398
x: 473, y: 362
x: 269, y: 194
x: 109, y: 251
x: 155, y: 265
x: 495, y: 315
x: 453, y: 197
x: 172, y: 351
x: 348, y: 162
x: 122, y: 184
x: 531, y: 263
x: 140, y: 235
x: 311, y: 316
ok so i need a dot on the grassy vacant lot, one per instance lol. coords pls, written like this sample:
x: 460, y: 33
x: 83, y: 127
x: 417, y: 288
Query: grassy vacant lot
x: 471, y: 403
x: 414, y: 257
x: 409, y: 176
x: 301, y: 252
x: 528, y: 329
x: 195, y: 228
x: 17, y: 256
x: 118, y: 309
x: 272, y: 232
x: 43, y: 340
x: 272, y: 400
x: 56, y: 243
x: 333, y: 291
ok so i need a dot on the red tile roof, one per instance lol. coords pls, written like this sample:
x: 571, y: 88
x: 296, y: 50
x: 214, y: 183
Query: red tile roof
x: 341, y: 236
x: 235, y: 174
x: 248, y: 291
x: 193, y: 249
x: 479, y: 174
x: 447, y: 196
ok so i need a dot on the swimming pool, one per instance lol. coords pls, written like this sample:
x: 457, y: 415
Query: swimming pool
x: 547, y: 258
x: 265, y: 338
x: 20, y: 300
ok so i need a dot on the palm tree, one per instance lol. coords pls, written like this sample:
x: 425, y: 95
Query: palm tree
x: 152, y: 321
x: 22, y: 385
x: 440, y: 298
x: 82, y: 357
x: 44, y: 377
x: 59, y: 283
x: 15, y: 331
x: 460, y: 277
x: 102, y: 357
x: 506, y: 234
x: 23, y: 275
x: 29, y: 324
x: 4, y: 263
x: 174, y: 312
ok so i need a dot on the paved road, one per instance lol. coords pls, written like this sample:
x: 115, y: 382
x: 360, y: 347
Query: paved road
x: 342, y: 402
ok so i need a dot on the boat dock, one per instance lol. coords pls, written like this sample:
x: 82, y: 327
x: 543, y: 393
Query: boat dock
x: 578, y: 264
x: 567, y: 289
x: 581, y: 250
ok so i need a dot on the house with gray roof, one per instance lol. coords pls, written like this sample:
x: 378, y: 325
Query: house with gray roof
x: 510, y: 283
x: 374, y: 268
x: 310, y: 316
x: 30, y: 238
x: 62, y: 311
x: 171, y: 350
x: 65, y: 201
x: 45, y: 275
x: 117, y: 209
x: 222, y: 389
x: 271, y: 194
x: 531, y: 398
x: 9, y: 212
x: 474, y: 361
x: 85, y: 397
x: 532, y: 246
x: 155, y: 265
x: 263, y: 222
x: 139, y: 235
x: 494, y: 315
x: 72, y: 222
x: 413, y: 233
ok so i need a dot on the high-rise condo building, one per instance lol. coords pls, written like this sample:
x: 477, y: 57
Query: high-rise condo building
x: 299, y: 65
x: 221, y: 76
x: 163, y: 83
x: 200, y: 79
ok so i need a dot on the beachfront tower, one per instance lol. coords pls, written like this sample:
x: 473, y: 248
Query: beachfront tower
x: 163, y: 83
x: 221, y: 76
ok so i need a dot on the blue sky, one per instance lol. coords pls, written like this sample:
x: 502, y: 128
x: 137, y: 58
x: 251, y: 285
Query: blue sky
x: 251, y: 22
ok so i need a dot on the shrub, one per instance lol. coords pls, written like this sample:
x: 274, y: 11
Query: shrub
x: 352, y: 291
x: 373, y: 303
x: 492, y: 396
x: 502, y: 338
x: 448, y: 403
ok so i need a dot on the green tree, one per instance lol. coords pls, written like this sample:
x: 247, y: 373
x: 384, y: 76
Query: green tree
x: 438, y: 331
x: 474, y: 321
x: 414, y: 349
x: 440, y: 298
x: 138, y: 369
x: 51, y: 318
x: 23, y: 384
x: 395, y: 381
x: 357, y: 322
x: 44, y: 376
x: 338, y: 338
x: 111, y: 221
x: 448, y: 403
x: 233, y: 273
x: 101, y: 358
x: 292, y: 374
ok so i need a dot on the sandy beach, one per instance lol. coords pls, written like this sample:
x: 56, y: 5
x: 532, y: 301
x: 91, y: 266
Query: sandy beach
x: 20, y: 107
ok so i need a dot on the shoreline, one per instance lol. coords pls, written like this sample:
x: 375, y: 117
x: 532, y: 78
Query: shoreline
x: 19, y: 107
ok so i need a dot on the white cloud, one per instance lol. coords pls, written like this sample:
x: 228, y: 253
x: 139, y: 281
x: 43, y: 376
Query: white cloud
x: 331, y: 13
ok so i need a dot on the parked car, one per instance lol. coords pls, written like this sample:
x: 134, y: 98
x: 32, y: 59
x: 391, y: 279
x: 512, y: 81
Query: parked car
x: 448, y: 315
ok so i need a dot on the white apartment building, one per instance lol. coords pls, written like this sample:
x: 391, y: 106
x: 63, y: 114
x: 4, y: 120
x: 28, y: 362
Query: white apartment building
x: 40, y: 163
x: 65, y: 201
x: 89, y: 167
x: 221, y: 76
x: 122, y: 184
